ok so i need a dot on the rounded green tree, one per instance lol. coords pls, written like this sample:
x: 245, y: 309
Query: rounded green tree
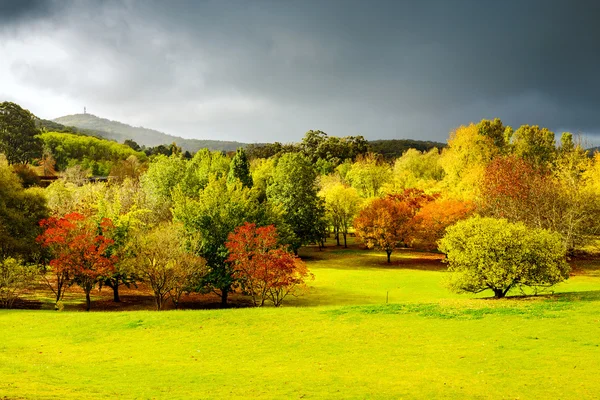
x: 494, y: 254
x: 18, y: 134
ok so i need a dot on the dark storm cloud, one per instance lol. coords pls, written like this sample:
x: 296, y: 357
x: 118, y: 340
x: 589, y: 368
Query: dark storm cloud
x: 270, y: 70
x: 12, y: 11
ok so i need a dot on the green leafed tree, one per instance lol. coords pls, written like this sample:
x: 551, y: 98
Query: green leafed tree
x: 208, y: 219
x: 200, y: 168
x: 497, y: 255
x: 495, y: 130
x: 536, y: 145
x: 98, y: 155
x: 20, y: 211
x: 18, y: 134
x: 164, y: 173
x: 415, y: 169
x: 294, y: 190
x: 369, y: 174
x: 262, y: 175
x: 342, y: 204
x: 121, y: 203
x: 240, y: 169
x: 162, y: 261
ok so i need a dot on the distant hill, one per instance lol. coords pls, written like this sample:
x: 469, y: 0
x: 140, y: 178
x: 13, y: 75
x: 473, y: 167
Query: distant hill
x: 114, y: 130
x: 51, y: 126
x: 91, y: 125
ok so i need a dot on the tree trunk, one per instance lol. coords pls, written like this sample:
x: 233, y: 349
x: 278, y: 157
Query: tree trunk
x: 345, y: 243
x: 88, y: 301
x: 224, y: 294
x: 158, y: 300
x: 499, y: 293
x: 115, y: 289
x: 175, y: 299
x: 337, y: 236
x: 389, y: 255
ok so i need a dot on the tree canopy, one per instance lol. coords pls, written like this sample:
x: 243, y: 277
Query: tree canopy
x: 497, y: 255
x: 18, y: 134
x: 265, y: 269
x: 20, y: 211
x: 294, y: 189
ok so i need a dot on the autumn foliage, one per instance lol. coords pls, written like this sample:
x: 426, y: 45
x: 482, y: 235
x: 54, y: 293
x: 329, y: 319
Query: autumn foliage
x: 430, y: 223
x: 511, y: 187
x: 410, y: 218
x: 79, y: 248
x: 384, y: 224
x: 266, y: 270
x: 414, y: 198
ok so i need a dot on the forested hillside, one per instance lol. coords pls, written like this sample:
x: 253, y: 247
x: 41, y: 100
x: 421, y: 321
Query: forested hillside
x: 394, y: 148
x: 97, y: 155
x: 120, y: 132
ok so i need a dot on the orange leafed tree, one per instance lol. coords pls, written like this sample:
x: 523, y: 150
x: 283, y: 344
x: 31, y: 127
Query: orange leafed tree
x: 433, y: 218
x: 414, y: 198
x: 384, y: 224
x: 265, y: 270
x: 79, y: 248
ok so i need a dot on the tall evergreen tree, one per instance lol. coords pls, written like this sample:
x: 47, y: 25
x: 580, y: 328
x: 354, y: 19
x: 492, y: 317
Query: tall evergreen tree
x: 240, y: 169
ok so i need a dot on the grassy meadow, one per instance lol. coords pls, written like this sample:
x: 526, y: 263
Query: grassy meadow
x: 340, y: 341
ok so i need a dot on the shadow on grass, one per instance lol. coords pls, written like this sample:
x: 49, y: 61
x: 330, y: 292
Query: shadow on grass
x: 368, y: 262
x: 356, y: 258
x: 588, y: 295
x: 534, y: 309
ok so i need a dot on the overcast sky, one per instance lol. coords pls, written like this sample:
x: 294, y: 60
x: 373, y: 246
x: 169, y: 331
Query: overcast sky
x: 257, y: 71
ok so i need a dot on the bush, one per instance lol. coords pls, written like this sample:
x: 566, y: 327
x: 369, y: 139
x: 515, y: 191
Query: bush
x: 15, y: 277
x: 26, y: 175
x: 490, y: 253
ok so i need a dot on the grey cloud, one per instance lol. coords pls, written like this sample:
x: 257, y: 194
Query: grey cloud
x: 270, y: 70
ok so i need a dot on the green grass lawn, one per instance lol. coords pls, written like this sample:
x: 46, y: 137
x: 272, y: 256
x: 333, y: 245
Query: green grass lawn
x: 340, y: 341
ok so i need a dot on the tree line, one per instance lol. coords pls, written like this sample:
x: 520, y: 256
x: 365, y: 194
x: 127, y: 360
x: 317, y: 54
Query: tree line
x: 200, y: 224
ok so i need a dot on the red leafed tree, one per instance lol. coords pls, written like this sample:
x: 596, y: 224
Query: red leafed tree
x: 433, y: 218
x: 506, y: 185
x: 265, y: 270
x: 385, y: 224
x: 79, y: 248
x: 514, y: 189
